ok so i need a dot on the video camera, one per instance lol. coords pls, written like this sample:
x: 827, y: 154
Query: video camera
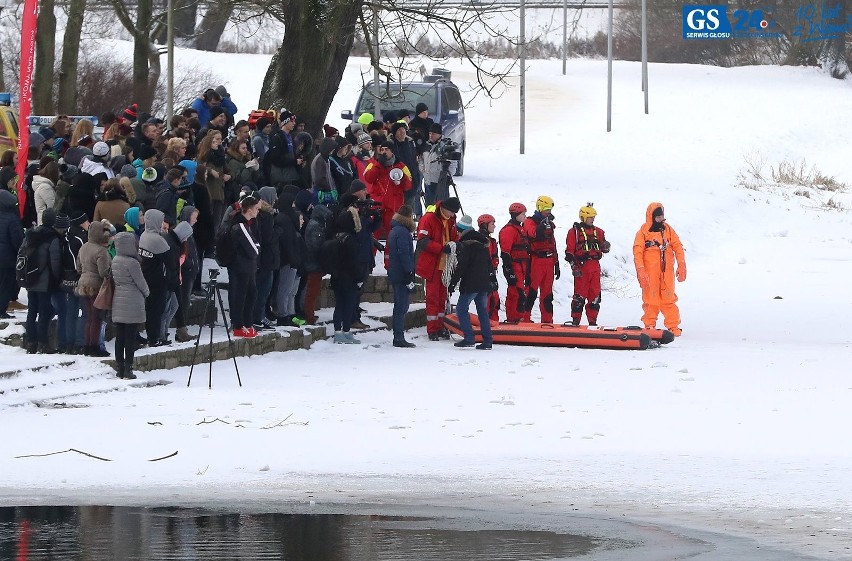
x: 369, y: 207
x: 448, y: 150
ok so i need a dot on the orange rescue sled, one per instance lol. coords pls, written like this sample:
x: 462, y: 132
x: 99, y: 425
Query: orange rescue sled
x: 566, y: 335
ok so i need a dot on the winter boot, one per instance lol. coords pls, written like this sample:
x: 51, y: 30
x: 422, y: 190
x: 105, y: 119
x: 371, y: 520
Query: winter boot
x: 483, y: 347
x: 128, y: 370
x: 182, y: 335
x: 464, y: 344
x: 340, y: 337
x: 45, y: 349
x: 119, y: 369
x: 31, y: 348
x: 403, y: 344
x: 350, y: 339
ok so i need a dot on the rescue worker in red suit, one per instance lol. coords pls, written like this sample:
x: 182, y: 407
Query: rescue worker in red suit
x: 434, y: 233
x: 487, y: 224
x: 655, y: 250
x: 383, y: 188
x: 544, y: 259
x: 515, y: 253
x: 584, y: 247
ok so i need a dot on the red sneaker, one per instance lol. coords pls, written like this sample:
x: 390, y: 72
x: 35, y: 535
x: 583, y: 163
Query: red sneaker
x: 252, y: 332
x: 242, y: 332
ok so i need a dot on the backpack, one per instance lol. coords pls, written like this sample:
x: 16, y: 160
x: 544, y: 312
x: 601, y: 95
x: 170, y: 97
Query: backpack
x: 330, y: 254
x: 224, y: 239
x: 27, y: 266
x: 69, y: 275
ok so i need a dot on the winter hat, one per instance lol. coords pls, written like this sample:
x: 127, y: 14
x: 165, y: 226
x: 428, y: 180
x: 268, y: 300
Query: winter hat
x: 36, y: 139
x: 366, y: 118
x: 261, y: 123
x: 364, y: 138
x: 100, y: 149
x: 303, y: 201
x: 48, y: 217
x: 268, y: 194
x: 146, y: 151
x: 286, y: 117
x: 130, y: 112
x: 47, y: 133
x: 342, y: 141
x: 346, y: 201
x: 149, y: 175
x: 127, y: 170
x: 464, y: 223
x: 420, y: 108
x: 215, y: 112
x: 79, y: 217
x: 402, y: 114
x: 356, y: 186
x: 67, y: 172
x: 452, y: 204
x: 221, y: 91
x: 396, y: 126
x: 406, y: 211
x: 436, y: 128
x: 330, y: 131
x: 389, y: 117
x: 183, y: 230
x: 62, y: 222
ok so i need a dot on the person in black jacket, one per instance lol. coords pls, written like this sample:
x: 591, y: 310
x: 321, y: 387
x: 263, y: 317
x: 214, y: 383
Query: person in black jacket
x: 203, y: 230
x: 342, y: 169
x: 11, y: 237
x: 348, y: 275
x: 269, y: 259
x: 153, y: 252
x: 475, y: 276
x: 288, y: 222
x: 242, y: 290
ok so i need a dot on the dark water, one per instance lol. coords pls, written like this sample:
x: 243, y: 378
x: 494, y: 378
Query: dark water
x: 102, y: 533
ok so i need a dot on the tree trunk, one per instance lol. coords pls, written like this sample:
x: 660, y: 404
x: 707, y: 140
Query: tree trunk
x: 2, y: 79
x: 143, y: 93
x: 213, y: 25
x: 317, y: 36
x: 45, y: 58
x: 184, y: 20
x: 67, y: 102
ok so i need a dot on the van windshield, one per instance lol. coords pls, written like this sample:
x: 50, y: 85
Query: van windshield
x: 405, y: 96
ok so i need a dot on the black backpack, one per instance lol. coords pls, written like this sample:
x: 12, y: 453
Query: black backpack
x: 330, y: 254
x: 27, y: 266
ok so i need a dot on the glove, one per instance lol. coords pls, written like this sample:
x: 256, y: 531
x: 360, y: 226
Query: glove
x: 606, y: 246
x: 569, y: 258
x: 644, y: 279
x: 556, y: 271
x: 510, y: 277
x: 681, y: 272
x: 447, y: 249
x: 576, y: 271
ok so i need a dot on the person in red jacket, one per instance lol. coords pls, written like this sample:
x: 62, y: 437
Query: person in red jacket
x: 434, y: 233
x: 584, y: 247
x: 544, y: 259
x: 487, y: 224
x: 515, y: 253
x: 386, y: 185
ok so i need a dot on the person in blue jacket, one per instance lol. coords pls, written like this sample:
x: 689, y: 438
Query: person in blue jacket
x: 400, y: 249
x: 210, y: 99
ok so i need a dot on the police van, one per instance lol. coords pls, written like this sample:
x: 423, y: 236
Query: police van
x: 437, y: 91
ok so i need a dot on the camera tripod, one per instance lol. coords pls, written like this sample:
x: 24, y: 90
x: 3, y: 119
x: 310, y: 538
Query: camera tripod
x: 213, y: 295
x: 445, y: 181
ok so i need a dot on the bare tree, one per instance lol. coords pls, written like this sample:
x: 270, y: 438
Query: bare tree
x: 70, y: 57
x: 320, y: 34
x: 45, y: 58
x: 146, y: 56
x: 212, y: 25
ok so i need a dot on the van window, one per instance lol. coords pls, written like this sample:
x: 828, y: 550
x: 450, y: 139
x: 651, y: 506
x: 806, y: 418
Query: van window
x: 13, y: 121
x: 3, y: 128
x: 454, y: 102
x: 408, y: 98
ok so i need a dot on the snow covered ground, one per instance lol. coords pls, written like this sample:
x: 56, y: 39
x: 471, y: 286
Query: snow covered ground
x: 738, y: 427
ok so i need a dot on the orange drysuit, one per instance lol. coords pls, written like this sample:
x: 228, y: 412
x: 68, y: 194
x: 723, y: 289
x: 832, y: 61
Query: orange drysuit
x: 655, y: 249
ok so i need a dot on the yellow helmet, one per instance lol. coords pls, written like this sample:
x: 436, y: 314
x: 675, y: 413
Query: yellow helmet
x: 587, y: 212
x: 544, y: 203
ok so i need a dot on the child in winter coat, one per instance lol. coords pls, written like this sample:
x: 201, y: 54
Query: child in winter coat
x: 401, y: 272
x: 93, y: 264
x: 128, y: 302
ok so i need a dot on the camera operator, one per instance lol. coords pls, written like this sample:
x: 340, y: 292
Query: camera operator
x: 370, y: 213
x: 432, y: 162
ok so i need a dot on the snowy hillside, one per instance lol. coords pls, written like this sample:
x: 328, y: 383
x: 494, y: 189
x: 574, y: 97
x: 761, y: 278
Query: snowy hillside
x: 737, y: 427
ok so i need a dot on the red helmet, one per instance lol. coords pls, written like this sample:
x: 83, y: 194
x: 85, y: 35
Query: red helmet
x: 517, y: 208
x: 485, y: 219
